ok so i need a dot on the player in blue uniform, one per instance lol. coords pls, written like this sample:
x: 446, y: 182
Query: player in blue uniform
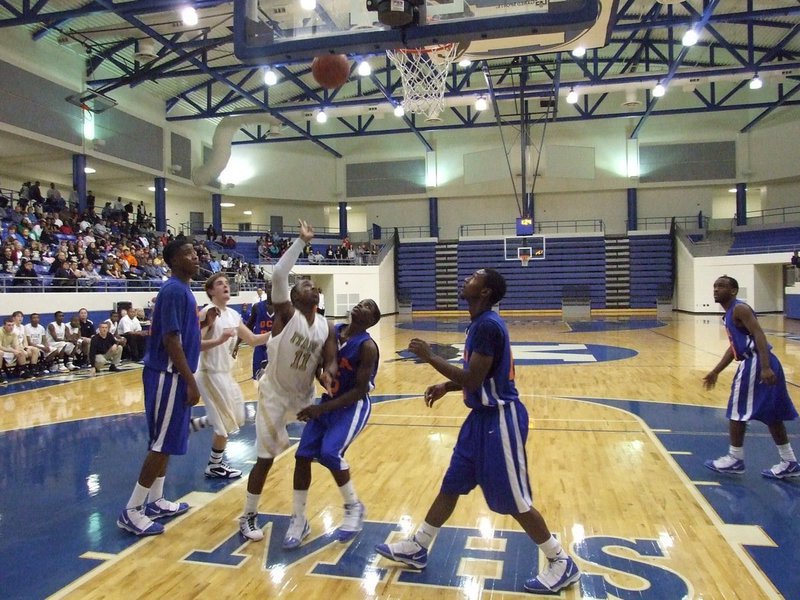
x: 170, y: 390
x: 490, y: 451
x: 262, y: 315
x: 758, y: 390
x: 333, y: 424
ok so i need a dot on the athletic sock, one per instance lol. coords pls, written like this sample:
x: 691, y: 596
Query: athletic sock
x: 736, y: 452
x: 552, y: 549
x: 157, y: 489
x: 299, y: 498
x: 138, y: 497
x: 348, y: 493
x: 426, y: 534
x: 786, y: 453
x: 216, y: 456
x: 251, y: 503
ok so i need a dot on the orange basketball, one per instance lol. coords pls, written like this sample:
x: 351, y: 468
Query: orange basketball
x: 331, y: 70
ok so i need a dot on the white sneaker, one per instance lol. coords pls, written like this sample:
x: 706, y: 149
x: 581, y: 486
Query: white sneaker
x: 299, y: 529
x: 71, y: 367
x: 61, y: 369
x: 352, y: 523
x: 249, y: 528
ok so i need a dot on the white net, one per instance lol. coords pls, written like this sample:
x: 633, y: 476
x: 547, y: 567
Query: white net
x: 424, y: 72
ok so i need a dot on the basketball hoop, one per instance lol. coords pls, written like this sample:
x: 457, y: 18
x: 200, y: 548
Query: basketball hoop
x: 423, y: 72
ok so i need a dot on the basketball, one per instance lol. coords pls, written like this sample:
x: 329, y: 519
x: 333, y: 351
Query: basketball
x: 331, y: 70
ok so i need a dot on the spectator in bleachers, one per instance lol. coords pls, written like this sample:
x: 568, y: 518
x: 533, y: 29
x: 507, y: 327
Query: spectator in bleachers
x: 24, y: 194
x: 64, y: 277
x: 73, y: 199
x: 25, y: 279
x: 104, y: 349
x: 316, y: 258
x: 211, y: 233
x: 329, y: 253
x: 90, y: 201
x: 36, y: 194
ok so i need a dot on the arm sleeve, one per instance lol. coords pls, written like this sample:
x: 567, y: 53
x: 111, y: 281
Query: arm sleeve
x: 280, y: 275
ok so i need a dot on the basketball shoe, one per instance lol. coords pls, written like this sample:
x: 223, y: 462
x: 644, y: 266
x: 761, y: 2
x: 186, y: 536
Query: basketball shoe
x: 408, y: 552
x: 726, y: 464
x: 248, y: 527
x: 162, y: 508
x: 221, y: 471
x: 560, y: 573
x: 352, y: 523
x: 299, y: 529
x: 783, y: 470
x: 135, y: 521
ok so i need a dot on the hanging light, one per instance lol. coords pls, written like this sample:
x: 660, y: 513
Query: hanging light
x: 689, y: 38
x: 579, y: 52
x: 189, y: 16
x: 89, y: 170
x: 364, y: 69
x: 322, y: 117
x: 308, y: 4
x: 481, y: 104
x: 756, y: 83
x: 572, y: 97
x: 464, y: 62
x: 270, y: 76
x: 399, y: 111
x: 659, y: 90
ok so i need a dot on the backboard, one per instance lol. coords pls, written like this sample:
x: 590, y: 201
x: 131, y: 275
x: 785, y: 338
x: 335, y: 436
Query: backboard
x: 530, y: 245
x: 281, y: 31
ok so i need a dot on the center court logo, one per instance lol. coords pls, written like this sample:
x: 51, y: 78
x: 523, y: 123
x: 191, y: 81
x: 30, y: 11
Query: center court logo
x: 538, y: 353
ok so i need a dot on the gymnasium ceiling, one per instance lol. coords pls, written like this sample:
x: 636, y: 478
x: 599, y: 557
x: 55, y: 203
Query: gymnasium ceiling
x: 195, y: 72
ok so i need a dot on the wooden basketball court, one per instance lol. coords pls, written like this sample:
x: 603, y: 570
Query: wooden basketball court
x: 620, y: 427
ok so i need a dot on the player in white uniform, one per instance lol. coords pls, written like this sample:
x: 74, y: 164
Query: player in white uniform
x: 37, y: 336
x: 301, y: 342
x: 221, y: 394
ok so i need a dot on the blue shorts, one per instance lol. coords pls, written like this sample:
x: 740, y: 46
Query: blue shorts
x: 490, y: 452
x: 326, y: 438
x: 259, y: 356
x: 751, y: 399
x: 166, y: 411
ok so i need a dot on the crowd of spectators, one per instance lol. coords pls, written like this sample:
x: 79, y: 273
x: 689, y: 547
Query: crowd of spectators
x: 46, y: 243
x: 271, y: 248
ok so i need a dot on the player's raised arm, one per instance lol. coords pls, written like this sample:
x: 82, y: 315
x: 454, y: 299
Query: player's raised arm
x: 281, y: 300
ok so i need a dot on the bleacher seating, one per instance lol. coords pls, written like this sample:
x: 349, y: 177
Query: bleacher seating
x: 784, y: 239
x: 651, y: 269
x: 416, y: 274
x: 569, y: 261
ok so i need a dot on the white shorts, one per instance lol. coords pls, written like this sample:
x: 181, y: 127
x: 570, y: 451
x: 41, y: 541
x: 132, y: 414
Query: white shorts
x: 68, y: 347
x: 10, y: 359
x: 223, y: 400
x: 274, y: 412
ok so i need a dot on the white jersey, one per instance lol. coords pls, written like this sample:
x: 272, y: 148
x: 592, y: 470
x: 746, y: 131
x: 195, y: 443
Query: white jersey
x: 294, y: 355
x: 219, y: 358
x: 36, y: 335
x: 61, y: 332
x: 19, y: 331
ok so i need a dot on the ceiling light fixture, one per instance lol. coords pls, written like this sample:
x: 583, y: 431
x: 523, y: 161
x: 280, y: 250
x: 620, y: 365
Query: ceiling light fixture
x: 579, y: 52
x: 270, y: 76
x: 227, y: 204
x: 659, y: 91
x: 572, y: 97
x: 756, y: 83
x: 189, y: 16
x: 481, y: 104
x: 308, y: 4
x: 464, y: 62
x: 322, y: 117
x: 89, y: 170
x: 364, y: 69
x: 690, y: 38
x: 247, y: 212
x: 399, y: 111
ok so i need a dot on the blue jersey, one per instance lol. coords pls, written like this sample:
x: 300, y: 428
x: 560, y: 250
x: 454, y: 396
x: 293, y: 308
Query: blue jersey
x: 349, y: 357
x: 488, y: 335
x: 742, y: 343
x: 264, y: 318
x: 175, y: 310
